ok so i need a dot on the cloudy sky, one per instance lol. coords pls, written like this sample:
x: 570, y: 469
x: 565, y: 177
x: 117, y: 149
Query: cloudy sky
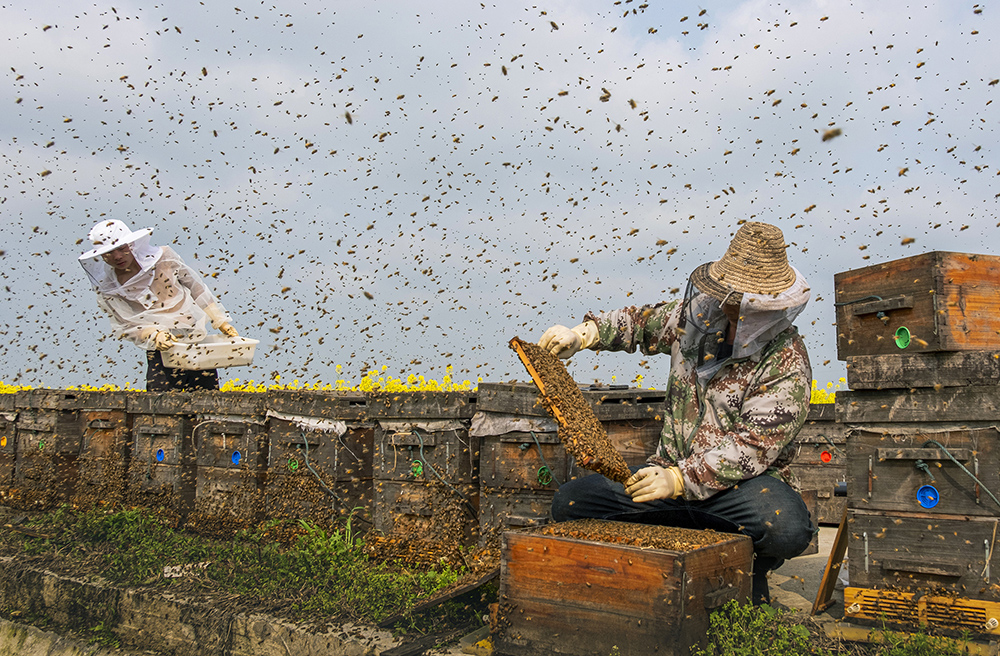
x: 410, y: 184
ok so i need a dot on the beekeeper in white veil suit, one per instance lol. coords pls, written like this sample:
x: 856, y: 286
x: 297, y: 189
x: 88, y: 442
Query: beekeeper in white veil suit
x: 153, y: 300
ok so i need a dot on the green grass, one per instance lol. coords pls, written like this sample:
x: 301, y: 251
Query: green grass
x: 321, y: 574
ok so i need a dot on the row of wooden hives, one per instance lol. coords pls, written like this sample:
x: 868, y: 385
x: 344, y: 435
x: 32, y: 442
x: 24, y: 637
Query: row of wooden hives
x: 221, y: 461
x: 921, y: 338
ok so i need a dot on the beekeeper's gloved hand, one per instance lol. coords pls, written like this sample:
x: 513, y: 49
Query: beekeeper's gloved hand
x: 564, y: 342
x: 164, y: 340
x: 655, y: 482
x: 228, y: 330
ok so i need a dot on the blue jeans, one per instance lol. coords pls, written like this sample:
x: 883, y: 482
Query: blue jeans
x: 764, y: 508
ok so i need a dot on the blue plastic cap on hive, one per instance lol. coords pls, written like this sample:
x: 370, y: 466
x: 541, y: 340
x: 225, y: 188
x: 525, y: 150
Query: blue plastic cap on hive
x: 159, y: 455
x: 236, y: 457
x: 927, y: 496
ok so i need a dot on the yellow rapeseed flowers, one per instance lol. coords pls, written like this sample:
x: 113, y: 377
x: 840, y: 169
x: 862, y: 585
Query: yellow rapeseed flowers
x: 827, y: 395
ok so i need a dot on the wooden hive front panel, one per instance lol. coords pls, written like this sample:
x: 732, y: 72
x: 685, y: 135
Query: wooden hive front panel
x: 914, y: 553
x: 231, y: 466
x: 421, y: 455
x: 945, y: 300
x: 8, y: 444
x: 502, y: 509
x: 431, y: 511
x: 820, y: 462
x: 916, y: 470
x: 635, y: 439
x: 520, y: 460
x: 104, y: 458
x: 162, y: 471
x: 48, y: 447
x: 561, y: 595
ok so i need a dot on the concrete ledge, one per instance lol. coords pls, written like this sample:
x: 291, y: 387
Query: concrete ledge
x: 25, y: 640
x: 149, y: 621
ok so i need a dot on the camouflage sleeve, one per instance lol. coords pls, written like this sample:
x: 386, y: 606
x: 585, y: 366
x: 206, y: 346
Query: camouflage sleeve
x: 773, y: 410
x: 650, y: 328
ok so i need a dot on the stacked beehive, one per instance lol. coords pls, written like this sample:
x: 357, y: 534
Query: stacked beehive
x: 920, y: 337
x: 229, y: 437
x: 426, y: 466
x: 319, y: 464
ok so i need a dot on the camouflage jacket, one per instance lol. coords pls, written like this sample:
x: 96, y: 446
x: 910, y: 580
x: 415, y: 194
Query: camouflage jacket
x: 738, y: 424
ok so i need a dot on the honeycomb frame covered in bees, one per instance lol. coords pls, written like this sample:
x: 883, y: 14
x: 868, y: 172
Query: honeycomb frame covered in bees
x: 584, y: 436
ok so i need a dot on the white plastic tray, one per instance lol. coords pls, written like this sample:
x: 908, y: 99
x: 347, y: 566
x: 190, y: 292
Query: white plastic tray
x: 214, y: 352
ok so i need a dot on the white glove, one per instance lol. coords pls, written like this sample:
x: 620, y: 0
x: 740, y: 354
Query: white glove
x: 564, y: 342
x: 164, y: 340
x: 227, y: 329
x: 654, y: 482
x: 218, y: 317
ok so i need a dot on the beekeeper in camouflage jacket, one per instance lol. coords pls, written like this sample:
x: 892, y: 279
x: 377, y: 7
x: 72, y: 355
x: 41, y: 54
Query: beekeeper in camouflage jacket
x: 737, y: 395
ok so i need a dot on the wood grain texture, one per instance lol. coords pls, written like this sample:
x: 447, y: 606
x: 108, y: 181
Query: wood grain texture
x: 906, y: 370
x: 886, y: 470
x: 948, y: 404
x: 953, y: 298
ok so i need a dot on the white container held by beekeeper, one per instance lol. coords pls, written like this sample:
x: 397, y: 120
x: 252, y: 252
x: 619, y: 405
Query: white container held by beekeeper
x: 159, y: 303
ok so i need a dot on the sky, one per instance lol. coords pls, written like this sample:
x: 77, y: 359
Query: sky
x: 407, y: 185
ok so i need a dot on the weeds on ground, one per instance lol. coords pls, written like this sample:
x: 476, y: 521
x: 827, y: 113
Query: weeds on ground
x: 892, y: 643
x: 745, y: 630
x: 323, y: 573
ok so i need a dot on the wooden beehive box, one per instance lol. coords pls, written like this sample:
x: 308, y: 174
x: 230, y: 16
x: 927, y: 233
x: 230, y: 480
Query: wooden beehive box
x: 424, y: 437
x: 48, y: 448
x: 588, y: 587
x: 938, y: 301
x: 906, y: 552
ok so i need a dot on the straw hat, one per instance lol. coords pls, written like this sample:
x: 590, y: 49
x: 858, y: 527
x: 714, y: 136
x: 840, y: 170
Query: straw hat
x: 109, y: 235
x: 755, y: 263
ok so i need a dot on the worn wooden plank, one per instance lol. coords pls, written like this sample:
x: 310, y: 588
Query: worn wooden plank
x: 608, y: 404
x: 903, y: 551
x: 422, y: 405
x: 906, y: 370
x: 438, y: 599
x: 833, y: 564
x: 952, y: 299
x: 158, y: 403
x: 948, y: 404
x: 345, y: 405
x: 821, y: 412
